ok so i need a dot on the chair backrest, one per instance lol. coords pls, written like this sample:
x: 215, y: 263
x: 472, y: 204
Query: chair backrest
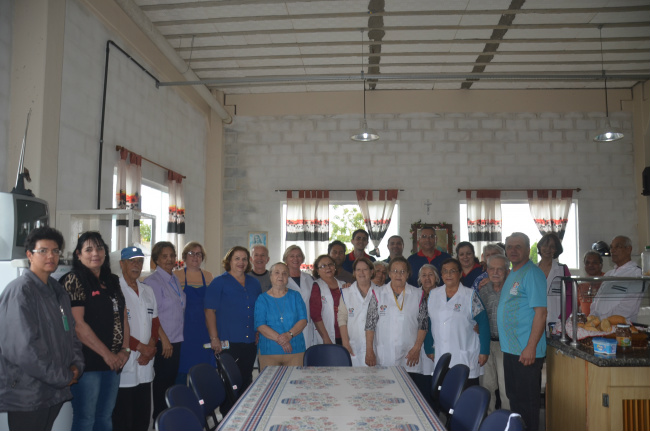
x: 177, y: 418
x: 500, y: 420
x: 327, y: 355
x: 230, y: 375
x: 439, y: 373
x: 183, y: 396
x: 208, y: 387
x: 470, y: 409
x: 452, y: 387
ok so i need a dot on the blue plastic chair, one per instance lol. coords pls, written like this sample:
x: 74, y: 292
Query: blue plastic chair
x: 439, y: 373
x: 451, y: 389
x: 183, y: 396
x: 209, y: 389
x: 500, y: 420
x: 232, y: 380
x: 177, y: 418
x: 327, y: 355
x: 470, y: 409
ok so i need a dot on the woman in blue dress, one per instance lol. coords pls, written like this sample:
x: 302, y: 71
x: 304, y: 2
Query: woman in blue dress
x: 194, y: 282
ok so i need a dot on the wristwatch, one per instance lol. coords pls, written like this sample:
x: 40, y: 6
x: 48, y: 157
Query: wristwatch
x: 291, y: 333
x: 127, y: 350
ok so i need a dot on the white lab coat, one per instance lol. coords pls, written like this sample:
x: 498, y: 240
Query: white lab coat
x: 619, y: 297
x: 327, y: 311
x: 397, y: 330
x: 554, y: 292
x: 306, y: 283
x: 357, y: 307
x: 452, y: 327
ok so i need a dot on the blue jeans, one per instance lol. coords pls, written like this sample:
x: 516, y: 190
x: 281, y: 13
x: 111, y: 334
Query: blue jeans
x: 93, y: 401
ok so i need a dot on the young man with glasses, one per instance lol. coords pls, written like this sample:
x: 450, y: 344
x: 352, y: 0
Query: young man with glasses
x: 427, y: 254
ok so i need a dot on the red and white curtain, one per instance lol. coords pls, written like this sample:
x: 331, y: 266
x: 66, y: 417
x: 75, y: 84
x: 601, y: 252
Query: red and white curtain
x: 484, y: 221
x: 176, y: 221
x: 377, y: 210
x: 308, y: 223
x: 550, y: 209
x: 127, y: 194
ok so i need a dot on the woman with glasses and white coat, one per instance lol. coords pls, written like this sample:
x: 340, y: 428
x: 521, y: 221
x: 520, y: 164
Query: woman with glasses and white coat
x: 397, y: 322
x: 324, y: 301
x: 302, y: 283
x: 353, y: 310
x: 455, y: 310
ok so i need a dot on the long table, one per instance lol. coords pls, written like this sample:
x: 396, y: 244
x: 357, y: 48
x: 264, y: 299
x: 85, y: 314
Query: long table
x: 332, y: 399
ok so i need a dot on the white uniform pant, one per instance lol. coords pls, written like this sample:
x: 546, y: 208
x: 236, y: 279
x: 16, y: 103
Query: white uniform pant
x: 493, y: 377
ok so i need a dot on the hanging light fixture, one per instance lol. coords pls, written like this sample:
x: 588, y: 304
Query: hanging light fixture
x: 608, y: 134
x: 366, y: 134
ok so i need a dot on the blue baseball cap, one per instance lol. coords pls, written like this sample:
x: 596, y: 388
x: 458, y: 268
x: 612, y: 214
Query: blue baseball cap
x: 131, y: 253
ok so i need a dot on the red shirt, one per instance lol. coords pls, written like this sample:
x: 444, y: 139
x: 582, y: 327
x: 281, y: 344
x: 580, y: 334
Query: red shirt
x: 436, y: 253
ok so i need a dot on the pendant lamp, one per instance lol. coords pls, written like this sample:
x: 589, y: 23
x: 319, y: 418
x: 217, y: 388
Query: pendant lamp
x: 365, y: 134
x: 608, y: 134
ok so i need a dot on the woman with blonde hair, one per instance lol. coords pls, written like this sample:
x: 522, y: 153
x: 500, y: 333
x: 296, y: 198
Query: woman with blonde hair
x: 194, y: 281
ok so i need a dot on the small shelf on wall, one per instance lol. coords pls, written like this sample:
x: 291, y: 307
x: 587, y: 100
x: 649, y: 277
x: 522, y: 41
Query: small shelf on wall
x: 73, y: 223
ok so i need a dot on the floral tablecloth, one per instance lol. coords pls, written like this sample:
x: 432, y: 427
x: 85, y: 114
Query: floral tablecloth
x: 332, y: 399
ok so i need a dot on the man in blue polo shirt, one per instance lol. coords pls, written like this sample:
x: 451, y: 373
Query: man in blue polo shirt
x: 359, y: 242
x: 521, y: 318
x: 427, y: 254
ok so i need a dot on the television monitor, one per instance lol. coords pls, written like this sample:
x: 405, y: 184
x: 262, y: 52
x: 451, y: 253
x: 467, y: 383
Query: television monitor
x: 21, y: 214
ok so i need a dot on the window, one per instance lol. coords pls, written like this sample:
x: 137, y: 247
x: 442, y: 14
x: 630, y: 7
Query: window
x: 517, y: 218
x: 155, y: 201
x: 337, y: 210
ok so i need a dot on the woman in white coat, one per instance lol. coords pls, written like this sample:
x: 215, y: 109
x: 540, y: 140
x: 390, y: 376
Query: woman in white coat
x: 302, y: 283
x: 454, y: 310
x: 324, y: 301
x: 353, y: 310
x: 428, y: 279
x: 397, y: 322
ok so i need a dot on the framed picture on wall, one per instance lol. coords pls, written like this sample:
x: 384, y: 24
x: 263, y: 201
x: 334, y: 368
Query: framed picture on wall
x: 444, y: 236
x: 257, y: 238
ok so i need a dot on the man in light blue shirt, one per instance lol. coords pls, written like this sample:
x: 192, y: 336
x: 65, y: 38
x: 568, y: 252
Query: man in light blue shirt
x: 521, y: 318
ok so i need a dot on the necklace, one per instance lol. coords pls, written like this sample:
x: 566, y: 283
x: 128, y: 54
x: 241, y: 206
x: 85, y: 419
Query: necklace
x: 280, y: 299
x: 399, y: 307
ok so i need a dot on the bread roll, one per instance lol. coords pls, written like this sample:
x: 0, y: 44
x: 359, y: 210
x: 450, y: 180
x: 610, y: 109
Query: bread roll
x: 605, y: 325
x: 617, y: 320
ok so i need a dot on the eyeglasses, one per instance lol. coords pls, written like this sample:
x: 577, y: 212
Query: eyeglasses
x: 427, y: 236
x: 195, y: 253
x: 449, y: 271
x: 326, y: 265
x: 46, y: 251
x: 398, y: 271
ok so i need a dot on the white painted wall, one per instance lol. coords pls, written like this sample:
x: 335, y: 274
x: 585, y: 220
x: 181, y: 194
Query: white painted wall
x: 6, y: 13
x: 430, y: 158
x: 155, y: 123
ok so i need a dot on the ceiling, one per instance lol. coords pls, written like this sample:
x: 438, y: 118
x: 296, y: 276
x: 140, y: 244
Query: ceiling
x: 266, y: 46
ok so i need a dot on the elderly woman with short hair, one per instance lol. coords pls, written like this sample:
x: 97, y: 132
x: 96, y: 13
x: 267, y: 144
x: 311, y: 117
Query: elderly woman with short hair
x: 280, y: 317
x: 587, y: 291
x: 381, y: 273
x: 324, y: 301
x: 302, y: 283
x: 230, y: 311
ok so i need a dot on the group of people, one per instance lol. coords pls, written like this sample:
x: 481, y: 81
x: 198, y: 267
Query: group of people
x: 107, y: 342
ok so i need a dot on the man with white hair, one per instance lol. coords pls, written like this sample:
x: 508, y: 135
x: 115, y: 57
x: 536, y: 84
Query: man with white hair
x: 521, y: 319
x: 259, y: 260
x: 488, y: 250
x: 620, y: 297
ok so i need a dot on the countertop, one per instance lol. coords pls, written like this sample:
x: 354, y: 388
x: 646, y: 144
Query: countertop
x: 633, y: 358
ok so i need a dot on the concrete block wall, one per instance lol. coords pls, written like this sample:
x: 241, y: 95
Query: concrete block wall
x: 430, y: 157
x: 156, y: 123
x: 6, y: 13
